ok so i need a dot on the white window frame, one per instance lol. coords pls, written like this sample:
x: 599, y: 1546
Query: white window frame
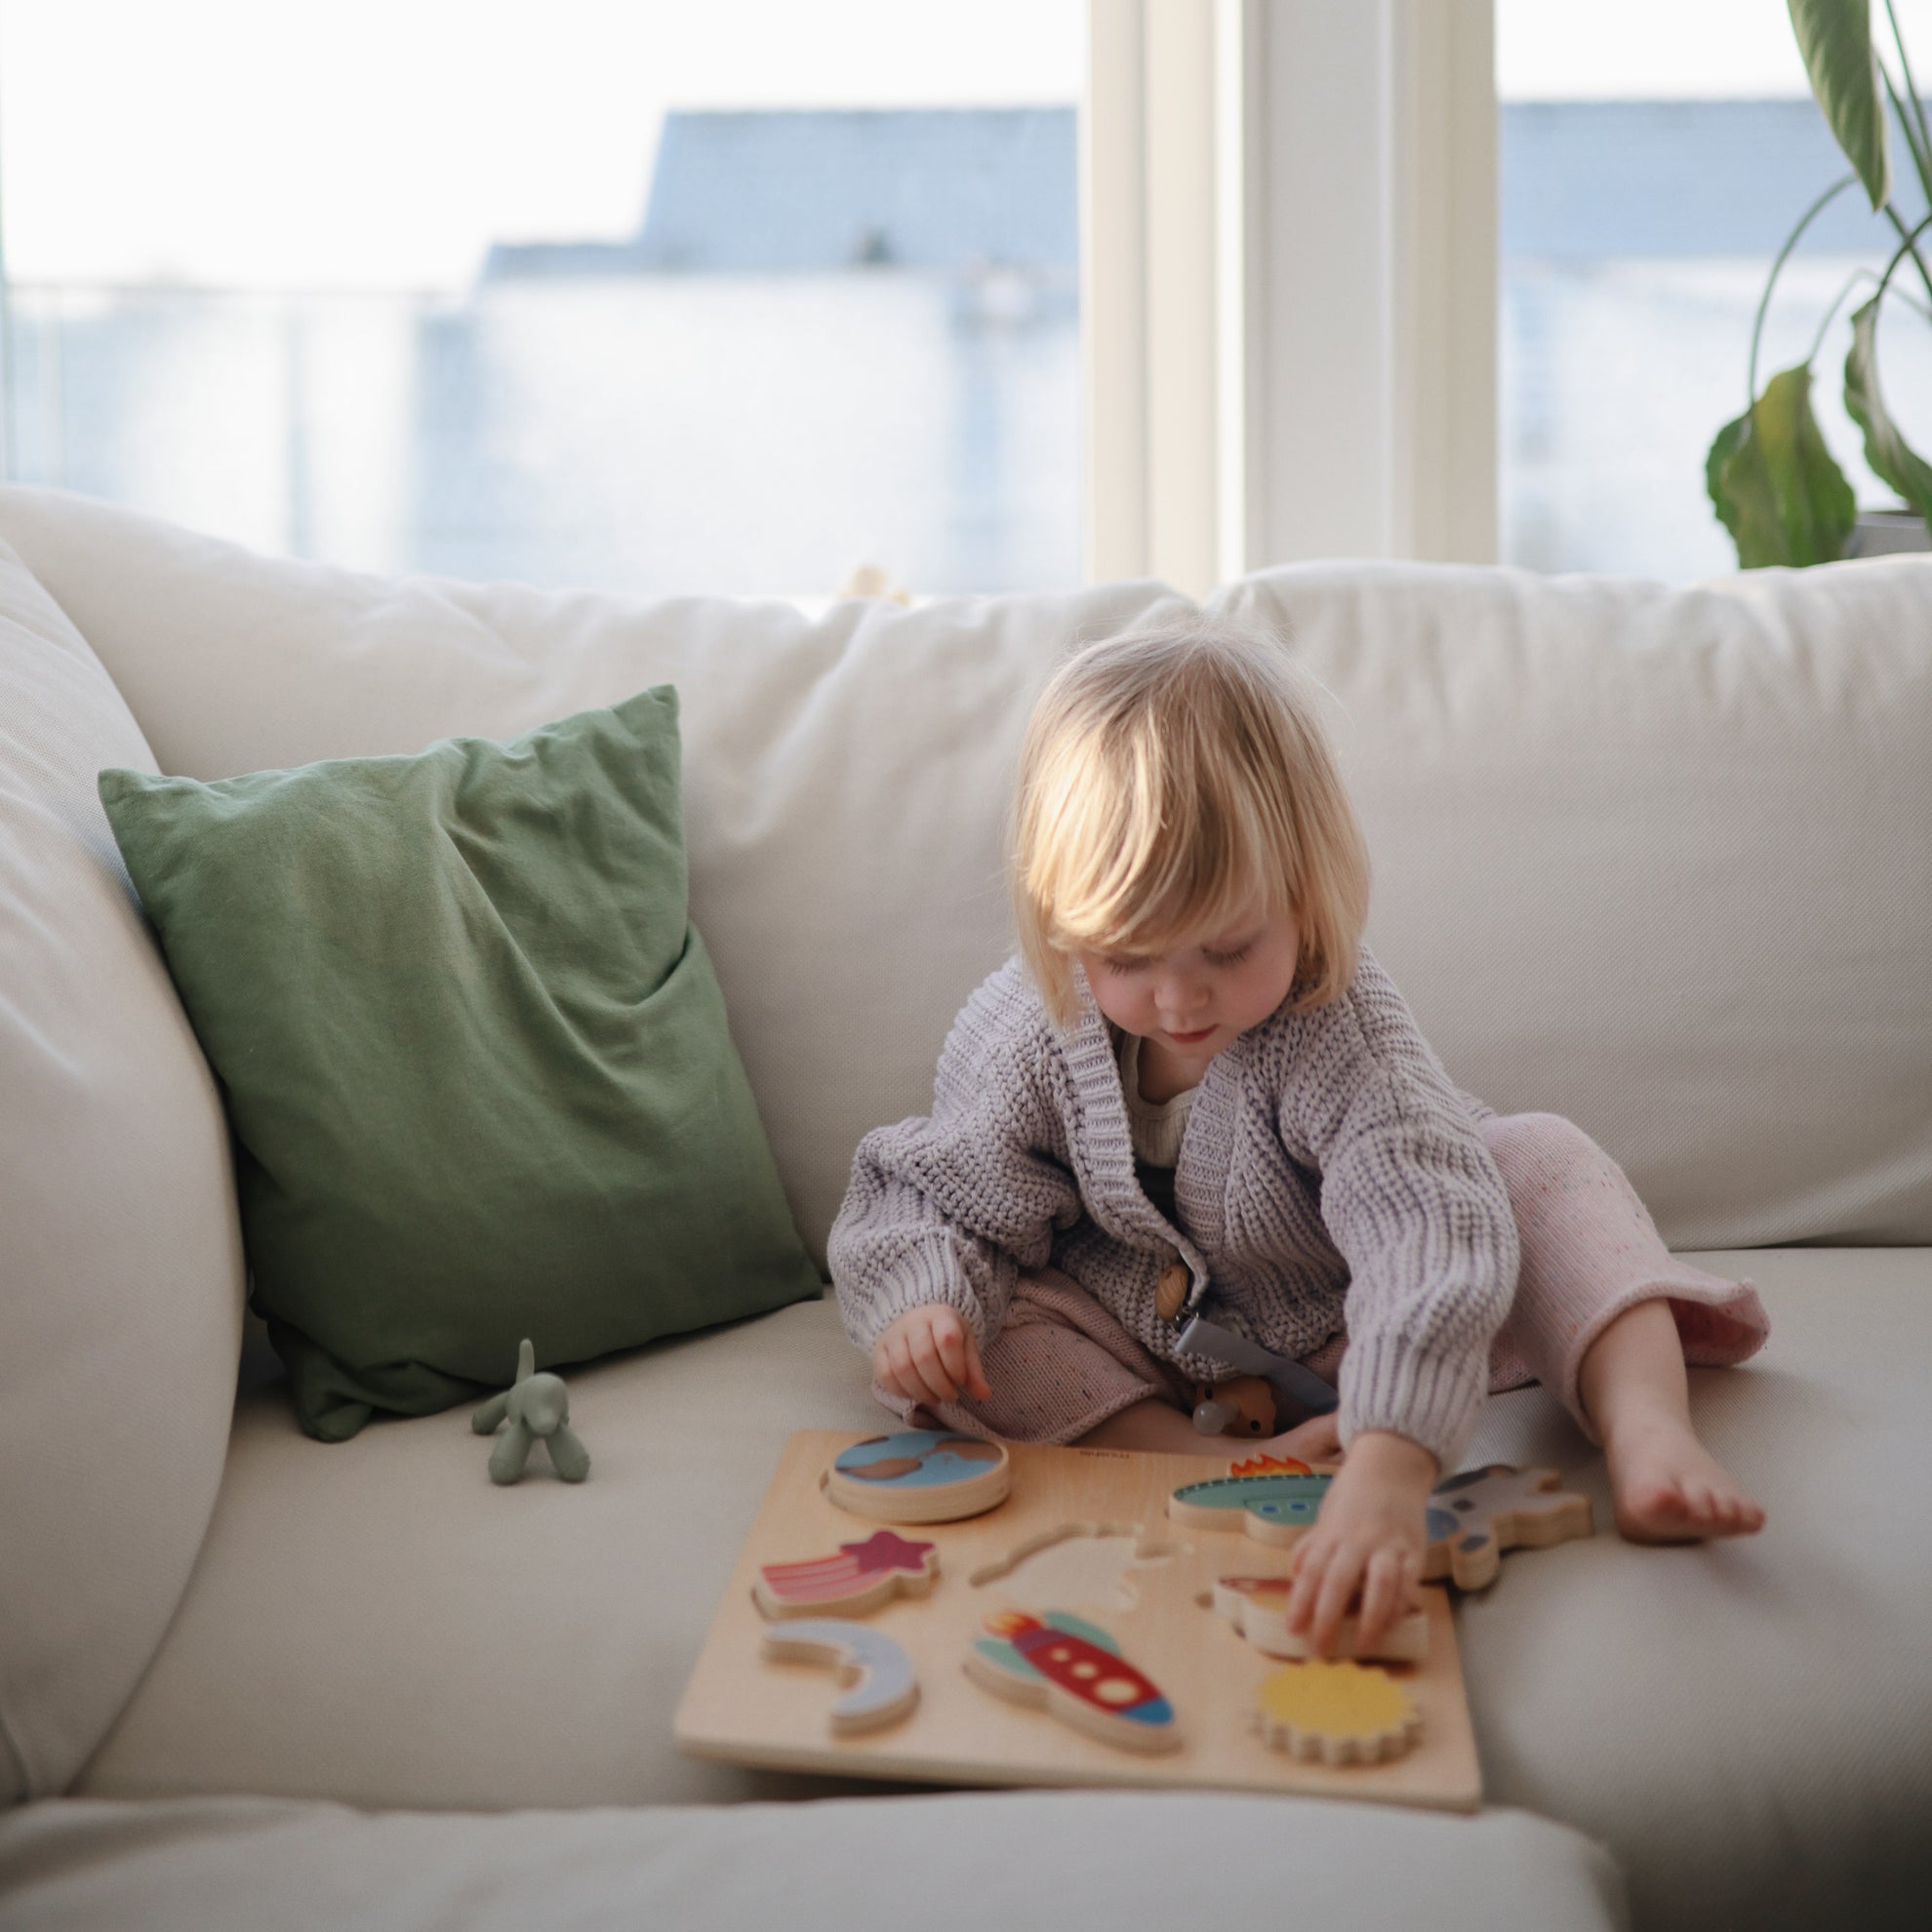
x: 1288, y: 278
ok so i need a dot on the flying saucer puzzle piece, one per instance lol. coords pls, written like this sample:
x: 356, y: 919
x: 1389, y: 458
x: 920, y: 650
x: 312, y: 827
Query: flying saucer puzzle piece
x: 1271, y: 1507
x: 879, y: 1675
x: 854, y: 1581
x: 1074, y: 1671
x: 920, y: 1476
x: 1257, y: 1607
x: 1473, y: 1518
x: 1335, y: 1711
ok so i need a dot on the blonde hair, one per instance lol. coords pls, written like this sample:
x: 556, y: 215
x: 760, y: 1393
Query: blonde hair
x: 1167, y: 778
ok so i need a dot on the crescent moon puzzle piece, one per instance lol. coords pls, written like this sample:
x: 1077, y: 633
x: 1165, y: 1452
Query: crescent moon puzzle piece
x: 1075, y: 1671
x: 1473, y: 1518
x: 1272, y: 1509
x: 878, y: 1671
x: 920, y: 1476
x: 1257, y: 1607
x: 1335, y: 1711
x: 857, y: 1580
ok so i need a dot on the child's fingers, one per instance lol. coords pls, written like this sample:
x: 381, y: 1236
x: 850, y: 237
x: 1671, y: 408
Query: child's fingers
x: 1340, y: 1578
x: 1384, y: 1589
x: 927, y: 1368
x: 1310, y: 1558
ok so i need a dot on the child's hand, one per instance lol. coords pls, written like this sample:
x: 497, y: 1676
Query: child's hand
x: 1316, y: 1440
x: 1368, y: 1537
x: 928, y: 1355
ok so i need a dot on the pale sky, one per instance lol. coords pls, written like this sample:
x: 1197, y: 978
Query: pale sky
x: 385, y: 143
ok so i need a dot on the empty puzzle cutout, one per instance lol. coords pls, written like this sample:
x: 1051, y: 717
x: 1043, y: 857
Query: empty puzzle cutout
x: 1087, y: 1565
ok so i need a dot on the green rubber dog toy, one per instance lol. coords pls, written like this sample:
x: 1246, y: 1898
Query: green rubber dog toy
x: 537, y: 1409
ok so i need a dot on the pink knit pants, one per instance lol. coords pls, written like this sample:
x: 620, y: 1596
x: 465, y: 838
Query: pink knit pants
x: 1061, y: 1365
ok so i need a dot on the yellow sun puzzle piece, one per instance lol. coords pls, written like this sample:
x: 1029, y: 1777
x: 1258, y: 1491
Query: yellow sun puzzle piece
x: 1337, y: 1711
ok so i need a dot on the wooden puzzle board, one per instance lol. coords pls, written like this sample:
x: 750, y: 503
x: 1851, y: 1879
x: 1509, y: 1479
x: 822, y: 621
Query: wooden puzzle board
x: 741, y: 1708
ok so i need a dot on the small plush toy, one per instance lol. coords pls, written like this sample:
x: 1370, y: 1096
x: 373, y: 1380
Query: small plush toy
x: 535, y: 1407
x: 1244, y: 1406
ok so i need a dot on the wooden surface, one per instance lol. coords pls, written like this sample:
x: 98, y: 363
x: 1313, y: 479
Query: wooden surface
x: 747, y: 1711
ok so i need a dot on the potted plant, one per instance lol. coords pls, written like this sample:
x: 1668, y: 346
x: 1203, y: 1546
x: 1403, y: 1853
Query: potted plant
x: 1770, y: 475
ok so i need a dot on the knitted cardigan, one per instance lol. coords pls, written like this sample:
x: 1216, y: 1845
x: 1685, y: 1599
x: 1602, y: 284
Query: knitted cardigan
x: 1330, y: 1173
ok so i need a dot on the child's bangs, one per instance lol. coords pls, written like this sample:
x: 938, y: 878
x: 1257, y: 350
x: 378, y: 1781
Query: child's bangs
x: 1142, y: 885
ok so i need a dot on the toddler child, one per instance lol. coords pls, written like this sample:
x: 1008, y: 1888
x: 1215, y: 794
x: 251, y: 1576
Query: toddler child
x: 1194, y: 1088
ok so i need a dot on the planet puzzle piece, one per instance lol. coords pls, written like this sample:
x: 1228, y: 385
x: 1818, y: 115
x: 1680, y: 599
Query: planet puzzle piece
x: 919, y: 1475
x: 883, y: 1685
x: 1473, y: 1518
x: 1257, y: 1607
x: 1335, y: 1711
x: 855, y: 1580
x: 1075, y: 1671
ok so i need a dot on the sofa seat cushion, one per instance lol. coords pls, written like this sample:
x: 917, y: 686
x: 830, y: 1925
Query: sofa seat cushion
x: 1743, y: 1725
x: 1028, y: 1861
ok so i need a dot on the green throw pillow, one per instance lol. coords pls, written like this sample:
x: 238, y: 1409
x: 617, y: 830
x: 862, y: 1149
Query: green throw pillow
x: 473, y: 1053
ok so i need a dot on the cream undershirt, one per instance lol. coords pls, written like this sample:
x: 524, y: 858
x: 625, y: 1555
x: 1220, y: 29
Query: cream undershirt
x: 1156, y: 1130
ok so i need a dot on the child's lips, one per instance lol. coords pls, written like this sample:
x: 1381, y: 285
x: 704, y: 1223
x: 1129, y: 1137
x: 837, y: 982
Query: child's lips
x: 1189, y: 1039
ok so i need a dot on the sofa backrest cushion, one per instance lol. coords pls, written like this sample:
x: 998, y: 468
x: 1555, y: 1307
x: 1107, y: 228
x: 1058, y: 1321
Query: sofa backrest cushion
x: 120, y: 1303
x: 845, y: 779
x: 1653, y: 858
x: 1660, y: 860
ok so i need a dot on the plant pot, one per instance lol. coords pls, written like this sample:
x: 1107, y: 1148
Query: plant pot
x: 1884, y: 533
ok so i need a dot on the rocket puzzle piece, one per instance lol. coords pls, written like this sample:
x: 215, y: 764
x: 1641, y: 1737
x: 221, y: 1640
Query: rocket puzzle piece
x: 857, y: 1578
x: 1075, y: 1671
x: 1474, y: 1517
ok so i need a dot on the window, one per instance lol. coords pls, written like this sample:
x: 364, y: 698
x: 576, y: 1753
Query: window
x: 1652, y: 159
x: 651, y: 299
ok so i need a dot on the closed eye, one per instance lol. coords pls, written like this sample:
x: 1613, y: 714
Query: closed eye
x: 1233, y: 959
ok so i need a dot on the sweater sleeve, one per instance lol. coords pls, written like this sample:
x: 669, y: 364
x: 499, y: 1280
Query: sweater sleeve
x: 1418, y: 1210
x: 951, y: 1207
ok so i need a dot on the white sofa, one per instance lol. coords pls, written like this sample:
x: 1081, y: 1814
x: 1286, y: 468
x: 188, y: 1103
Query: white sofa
x: 1658, y: 860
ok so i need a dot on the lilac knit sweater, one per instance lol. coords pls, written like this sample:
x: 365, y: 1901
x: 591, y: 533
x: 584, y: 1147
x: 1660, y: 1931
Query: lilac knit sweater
x: 1330, y: 1170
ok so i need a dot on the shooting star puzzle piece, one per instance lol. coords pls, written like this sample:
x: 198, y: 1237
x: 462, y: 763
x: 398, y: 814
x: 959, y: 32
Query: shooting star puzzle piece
x: 1335, y: 1711
x: 1272, y: 1508
x: 1257, y: 1607
x: 879, y: 1671
x: 920, y: 1476
x: 1074, y: 1671
x: 855, y: 1581
x: 1474, y: 1517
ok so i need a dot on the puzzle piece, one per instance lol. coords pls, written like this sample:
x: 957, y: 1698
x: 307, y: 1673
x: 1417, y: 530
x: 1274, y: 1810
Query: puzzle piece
x: 879, y: 1671
x: 857, y: 1580
x: 1075, y: 1671
x: 1272, y: 1508
x: 1257, y: 1607
x: 1474, y: 1517
x: 1337, y: 1711
x: 920, y: 1476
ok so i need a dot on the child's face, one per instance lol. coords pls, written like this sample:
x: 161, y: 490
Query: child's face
x: 1197, y: 999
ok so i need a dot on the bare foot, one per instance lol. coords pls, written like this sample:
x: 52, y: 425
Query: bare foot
x: 1669, y: 1488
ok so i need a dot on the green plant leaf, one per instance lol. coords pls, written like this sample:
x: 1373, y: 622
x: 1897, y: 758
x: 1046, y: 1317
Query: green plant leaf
x: 1774, y: 483
x: 1891, y: 457
x: 1835, y: 36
